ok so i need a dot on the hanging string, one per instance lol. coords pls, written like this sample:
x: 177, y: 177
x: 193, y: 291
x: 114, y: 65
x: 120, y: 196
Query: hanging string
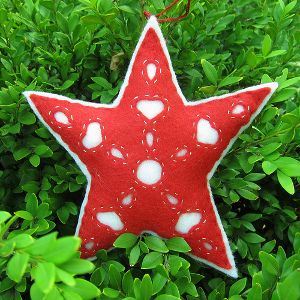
x: 187, y: 10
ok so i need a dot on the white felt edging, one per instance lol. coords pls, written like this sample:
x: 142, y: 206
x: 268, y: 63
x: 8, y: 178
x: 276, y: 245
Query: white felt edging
x: 152, y: 23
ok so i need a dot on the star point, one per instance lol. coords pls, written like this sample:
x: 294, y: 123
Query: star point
x: 148, y: 157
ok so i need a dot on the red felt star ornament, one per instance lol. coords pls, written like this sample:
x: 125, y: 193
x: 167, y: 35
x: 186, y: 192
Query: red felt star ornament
x: 148, y: 157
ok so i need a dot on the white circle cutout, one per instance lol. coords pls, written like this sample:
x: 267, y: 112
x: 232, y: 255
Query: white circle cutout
x: 149, y: 172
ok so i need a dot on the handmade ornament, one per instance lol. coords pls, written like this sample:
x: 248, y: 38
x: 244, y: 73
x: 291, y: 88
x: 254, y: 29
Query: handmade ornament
x: 149, y: 156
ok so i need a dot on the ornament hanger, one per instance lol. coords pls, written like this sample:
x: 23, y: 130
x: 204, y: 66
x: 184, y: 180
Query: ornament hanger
x: 187, y: 10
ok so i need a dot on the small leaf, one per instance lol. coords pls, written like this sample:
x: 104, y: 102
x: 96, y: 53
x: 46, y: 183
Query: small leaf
x: 252, y: 238
x: 111, y: 293
x: 16, y: 266
x: 27, y: 118
x: 255, y: 293
x: 21, y: 153
x: 62, y: 250
x: 286, y: 182
x: 102, y: 82
x: 210, y: 71
x: 22, y: 240
x: 35, y: 160
x: 166, y: 297
x: 84, y: 289
x: 126, y: 240
x: 146, y: 287
x: 269, y: 263
x: 152, y: 260
x: 288, y: 165
x: 268, y: 167
x: 155, y: 243
x: 44, y: 275
x: 78, y: 266
x: 4, y: 216
x: 24, y: 215
x: 229, y: 81
x: 266, y: 45
x: 134, y: 255
x: 178, y: 244
x: 238, y: 287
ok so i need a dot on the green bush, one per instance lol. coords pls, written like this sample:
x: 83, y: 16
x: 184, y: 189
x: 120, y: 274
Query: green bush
x: 81, y: 49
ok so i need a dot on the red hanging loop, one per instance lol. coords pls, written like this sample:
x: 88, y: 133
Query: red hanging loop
x: 187, y: 10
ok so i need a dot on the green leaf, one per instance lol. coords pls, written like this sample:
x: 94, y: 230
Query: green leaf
x: 65, y: 277
x: 126, y: 8
x: 102, y: 82
x: 152, y: 260
x: 166, y: 297
x: 229, y: 81
x: 78, y: 266
x: 21, y: 153
x: 16, y: 266
x: 276, y: 53
x: 27, y: 118
x: 84, y: 289
x: 22, y: 240
x: 4, y: 216
x: 114, y: 277
x: 156, y: 244
x: 146, y: 287
x: 134, y: 255
x: 44, y: 275
x: 111, y: 293
x: 269, y: 263
x: 126, y: 240
x: 238, y: 287
x: 289, y: 82
x: 286, y: 182
x: 178, y: 244
x: 36, y: 293
x: 266, y: 45
x: 127, y: 282
x: 268, y: 167
x: 91, y: 20
x: 42, y: 245
x: 255, y: 293
x: 249, y: 195
x: 210, y: 71
x: 62, y: 250
x: 288, y: 165
x: 35, y: 160
x: 252, y: 238
x: 289, y: 289
x: 159, y: 282
x: 24, y: 215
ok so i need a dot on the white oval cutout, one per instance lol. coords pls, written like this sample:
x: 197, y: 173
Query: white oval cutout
x: 173, y: 200
x: 149, y: 139
x: 150, y: 108
x: 89, y: 245
x: 151, y: 71
x: 187, y: 221
x: 181, y: 153
x: 208, y: 246
x: 127, y: 200
x: 238, y: 109
x: 93, y: 136
x: 206, y: 134
x: 60, y: 117
x: 116, y: 153
x: 110, y: 219
x: 149, y: 172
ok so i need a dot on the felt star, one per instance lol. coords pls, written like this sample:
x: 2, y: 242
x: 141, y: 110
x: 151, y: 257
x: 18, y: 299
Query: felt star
x: 149, y: 156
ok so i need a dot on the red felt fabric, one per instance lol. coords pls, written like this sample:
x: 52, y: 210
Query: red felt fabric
x: 125, y: 128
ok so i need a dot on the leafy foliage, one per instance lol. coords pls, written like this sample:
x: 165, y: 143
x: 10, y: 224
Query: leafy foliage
x: 81, y: 49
